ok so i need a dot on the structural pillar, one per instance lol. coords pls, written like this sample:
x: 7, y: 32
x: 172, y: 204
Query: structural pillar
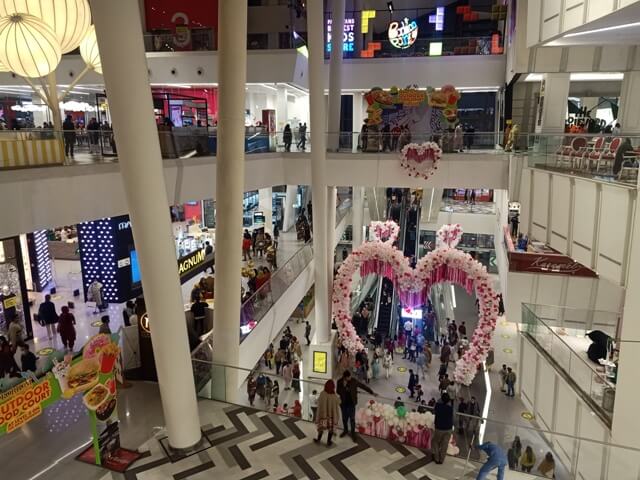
x: 232, y: 65
x: 289, y: 214
x: 332, y: 193
x: 265, y: 204
x: 552, y: 107
x: 357, y: 217
x: 629, y: 106
x: 315, y: 22
x: 335, y: 73
x: 282, y: 113
x: 358, y: 118
x: 357, y: 17
x: 127, y: 83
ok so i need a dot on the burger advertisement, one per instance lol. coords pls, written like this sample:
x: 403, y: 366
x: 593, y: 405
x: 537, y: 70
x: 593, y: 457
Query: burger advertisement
x: 90, y: 373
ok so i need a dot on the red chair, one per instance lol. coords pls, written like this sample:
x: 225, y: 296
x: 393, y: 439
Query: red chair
x: 609, y: 154
x: 593, y: 154
x: 572, y: 154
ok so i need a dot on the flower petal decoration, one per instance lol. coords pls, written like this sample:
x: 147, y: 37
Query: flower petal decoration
x: 421, y: 159
x: 444, y: 264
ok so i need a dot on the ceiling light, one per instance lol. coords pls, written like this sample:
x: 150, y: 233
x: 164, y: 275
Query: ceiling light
x: 604, y: 29
x: 581, y: 77
x: 390, y: 6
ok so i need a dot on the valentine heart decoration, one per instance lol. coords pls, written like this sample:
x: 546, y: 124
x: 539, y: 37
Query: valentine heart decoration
x: 444, y: 264
x: 386, y: 232
x: 420, y: 160
x: 449, y: 235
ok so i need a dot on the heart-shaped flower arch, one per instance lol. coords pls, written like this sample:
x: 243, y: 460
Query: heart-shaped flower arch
x: 445, y: 264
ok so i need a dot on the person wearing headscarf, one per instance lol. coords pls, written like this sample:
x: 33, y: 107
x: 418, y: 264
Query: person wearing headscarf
x: 328, y: 412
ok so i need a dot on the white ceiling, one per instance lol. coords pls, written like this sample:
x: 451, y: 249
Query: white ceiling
x: 619, y: 28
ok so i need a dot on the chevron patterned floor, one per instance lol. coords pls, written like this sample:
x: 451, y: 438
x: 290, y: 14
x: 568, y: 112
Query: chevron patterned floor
x: 249, y: 444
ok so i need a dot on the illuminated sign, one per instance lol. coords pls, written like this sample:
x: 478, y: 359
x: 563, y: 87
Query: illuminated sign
x: 144, y: 323
x: 348, y: 36
x: 438, y: 19
x: 319, y: 362
x: 403, y: 34
x: 191, y: 261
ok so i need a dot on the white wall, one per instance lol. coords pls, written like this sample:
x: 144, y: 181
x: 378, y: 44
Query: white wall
x: 587, y: 220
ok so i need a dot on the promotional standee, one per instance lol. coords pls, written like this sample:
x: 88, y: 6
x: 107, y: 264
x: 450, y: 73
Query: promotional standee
x: 92, y: 373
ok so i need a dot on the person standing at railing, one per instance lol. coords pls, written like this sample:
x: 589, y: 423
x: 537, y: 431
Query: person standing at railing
x: 287, y: 138
x: 327, y: 412
x: 386, y: 138
x: 497, y: 459
x: 469, y: 132
x: 527, y: 459
x: 443, y: 426
x: 511, y: 382
x: 395, y: 136
x: 362, y: 139
x: 69, y: 135
x: 348, y: 392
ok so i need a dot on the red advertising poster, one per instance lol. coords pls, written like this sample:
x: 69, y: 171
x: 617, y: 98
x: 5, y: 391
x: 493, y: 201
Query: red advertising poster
x: 170, y: 14
x: 193, y: 212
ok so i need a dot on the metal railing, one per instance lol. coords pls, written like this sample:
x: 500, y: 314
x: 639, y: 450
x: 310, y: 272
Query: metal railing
x: 562, y: 340
x: 574, y: 456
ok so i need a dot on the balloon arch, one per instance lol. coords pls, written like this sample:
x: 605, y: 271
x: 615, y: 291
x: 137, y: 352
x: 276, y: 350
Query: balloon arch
x: 444, y: 264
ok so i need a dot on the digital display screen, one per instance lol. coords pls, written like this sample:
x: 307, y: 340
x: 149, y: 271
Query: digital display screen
x: 320, y: 362
x: 413, y: 313
x: 258, y: 218
x: 135, y: 268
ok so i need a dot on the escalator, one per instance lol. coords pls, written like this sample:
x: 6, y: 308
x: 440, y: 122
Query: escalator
x: 408, y: 217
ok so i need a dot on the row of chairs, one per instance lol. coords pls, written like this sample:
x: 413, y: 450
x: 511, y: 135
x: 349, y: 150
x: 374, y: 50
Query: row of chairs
x: 595, y: 156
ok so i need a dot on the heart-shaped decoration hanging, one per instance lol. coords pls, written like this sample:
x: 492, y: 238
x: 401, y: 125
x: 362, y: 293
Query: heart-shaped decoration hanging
x: 421, y: 159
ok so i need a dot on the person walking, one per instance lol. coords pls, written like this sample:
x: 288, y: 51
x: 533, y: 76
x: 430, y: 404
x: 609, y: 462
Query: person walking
x: 497, y: 459
x: 514, y: 453
x: 503, y: 378
x: 69, y: 135
x: 66, y: 328
x: 307, y: 333
x: 473, y: 420
x: 287, y: 138
x: 295, y: 382
x: 511, y: 382
x: 375, y: 366
x: 527, y: 459
x: 421, y: 362
x: 348, y: 392
x: 287, y: 373
x: 548, y: 466
x: 445, y: 353
x: 279, y: 358
x: 47, y: 315
x: 515, y: 221
x: 387, y: 363
x: 246, y: 246
x: 268, y: 392
x: 327, y: 414
x: 313, y: 405
x: 15, y: 335
x: 104, y: 326
x: 252, y: 388
x: 443, y: 425
x: 413, y: 381
x: 275, y: 392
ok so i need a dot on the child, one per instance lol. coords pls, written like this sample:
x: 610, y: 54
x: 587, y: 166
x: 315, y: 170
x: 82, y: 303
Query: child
x: 419, y: 393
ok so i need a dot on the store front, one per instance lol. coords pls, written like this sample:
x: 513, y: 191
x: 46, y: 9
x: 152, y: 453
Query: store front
x: 14, y: 300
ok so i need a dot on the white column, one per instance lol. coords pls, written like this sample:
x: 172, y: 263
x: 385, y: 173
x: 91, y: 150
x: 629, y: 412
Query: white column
x: 335, y: 73
x: 552, y: 112
x: 289, y: 214
x: 131, y: 106
x: 265, y: 204
x: 629, y: 112
x: 282, y: 112
x: 232, y: 68
x: 358, y: 118
x: 331, y: 235
x: 315, y: 22
x: 624, y: 429
x: 357, y: 14
x: 357, y: 215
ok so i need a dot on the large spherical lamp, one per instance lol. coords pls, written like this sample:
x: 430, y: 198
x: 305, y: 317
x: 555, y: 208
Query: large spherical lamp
x: 69, y: 19
x: 4, y: 69
x: 29, y: 46
x: 89, y: 50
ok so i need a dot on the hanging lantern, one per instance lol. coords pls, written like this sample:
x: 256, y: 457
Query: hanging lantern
x: 69, y: 19
x: 29, y: 46
x: 89, y: 50
x: 3, y: 68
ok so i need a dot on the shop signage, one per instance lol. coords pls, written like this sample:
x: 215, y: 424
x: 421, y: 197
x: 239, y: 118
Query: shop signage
x: 124, y: 262
x: 191, y: 261
x: 403, y: 34
x: 22, y: 404
x: 10, y: 301
x: 348, y: 36
x: 144, y: 324
x: 124, y: 225
x: 319, y: 362
x: 548, y: 264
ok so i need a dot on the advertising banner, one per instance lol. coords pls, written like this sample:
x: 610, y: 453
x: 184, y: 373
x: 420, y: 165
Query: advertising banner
x: 90, y: 372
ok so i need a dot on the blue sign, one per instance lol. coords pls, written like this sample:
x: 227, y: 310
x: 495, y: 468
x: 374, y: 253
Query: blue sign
x: 348, y: 36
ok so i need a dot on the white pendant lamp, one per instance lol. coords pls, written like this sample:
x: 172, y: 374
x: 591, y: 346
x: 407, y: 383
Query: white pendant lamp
x: 4, y: 68
x: 69, y: 19
x: 89, y: 50
x: 29, y: 46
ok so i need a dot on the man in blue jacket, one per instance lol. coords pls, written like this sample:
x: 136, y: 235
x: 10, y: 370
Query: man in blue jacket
x: 497, y: 459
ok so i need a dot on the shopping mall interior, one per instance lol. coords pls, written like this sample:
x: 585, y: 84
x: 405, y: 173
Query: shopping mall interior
x: 228, y: 230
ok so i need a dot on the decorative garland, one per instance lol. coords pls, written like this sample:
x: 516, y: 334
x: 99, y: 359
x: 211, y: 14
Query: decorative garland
x: 445, y: 264
x: 421, y: 160
x: 386, y: 232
